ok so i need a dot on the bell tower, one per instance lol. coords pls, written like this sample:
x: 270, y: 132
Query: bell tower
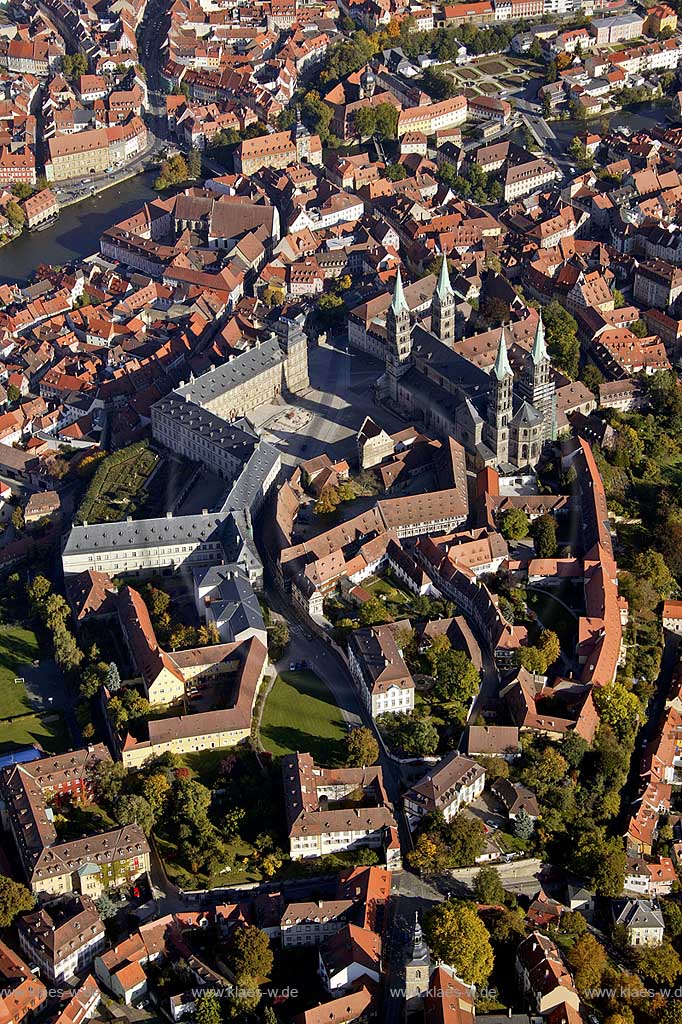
x: 443, y: 307
x: 398, y: 337
x: 417, y: 971
x: 500, y: 403
x: 537, y: 385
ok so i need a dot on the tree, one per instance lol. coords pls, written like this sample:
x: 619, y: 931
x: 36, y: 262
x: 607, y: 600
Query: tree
x: 278, y: 639
x: 68, y: 654
x: 458, y: 937
x: 588, y: 960
x: 136, y: 810
x: 545, y: 771
x: 194, y: 163
x: 618, y: 707
x: 574, y: 748
x: 22, y: 190
x: 249, y: 952
x: 74, y: 65
x: 410, y: 731
x: 365, y: 122
x: 660, y: 964
x: 488, y: 886
x: 561, y: 336
x: 156, y: 790
x: 13, y: 393
x: 208, y: 1009
x: 14, y: 899
x: 373, y: 612
x: 429, y: 854
x: 395, y: 172
x: 113, y: 678
x: 514, y: 524
x: 15, y: 215
x: 329, y: 498
x: 136, y: 705
x: 465, y: 838
x: 524, y: 825
x: 106, y: 908
x: 544, y: 536
x: 38, y: 591
x: 457, y: 679
x: 18, y: 519
x: 438, y: 85
x: 650, y: 565
x: 109, y: 777
x: 362, y: 748
x: 618, y: 299
x: 573, y: 923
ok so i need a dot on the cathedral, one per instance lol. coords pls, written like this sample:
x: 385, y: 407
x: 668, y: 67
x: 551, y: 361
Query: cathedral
x: 502, y: 420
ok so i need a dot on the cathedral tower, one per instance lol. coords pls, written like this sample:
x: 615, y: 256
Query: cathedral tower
x: 500, y: 403
x: 536, y: 385
x: 443, y: 307
x: 398, y: 337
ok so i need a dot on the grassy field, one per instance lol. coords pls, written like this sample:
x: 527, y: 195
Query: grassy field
x: 19, y: 726
x: 50, y: 733
x: 18, y: 647
x: 116, y: 489
x: 300, y: 715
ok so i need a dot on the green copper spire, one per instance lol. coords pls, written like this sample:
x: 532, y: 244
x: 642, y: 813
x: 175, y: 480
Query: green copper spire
x: 539, y: 350
x: 502, y: 369
x: 444, y: 288
x: 399, y: 303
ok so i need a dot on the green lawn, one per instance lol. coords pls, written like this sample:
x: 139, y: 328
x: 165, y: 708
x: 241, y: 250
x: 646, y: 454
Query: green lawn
x: 50, y: 733
x: 18, y: 647
x: 300, y: 715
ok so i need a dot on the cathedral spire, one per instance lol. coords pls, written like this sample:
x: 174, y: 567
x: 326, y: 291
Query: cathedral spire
x: 444, y: 288
x: 539, y: 350
x: 502, y: 369
x: 399, y: 303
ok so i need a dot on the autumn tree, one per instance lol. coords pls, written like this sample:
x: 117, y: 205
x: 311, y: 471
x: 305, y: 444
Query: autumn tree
x: 588, y: 960
x: 15, y: 899
x: 362, y: 748
x: 457, y: 936
x: 249, y: 952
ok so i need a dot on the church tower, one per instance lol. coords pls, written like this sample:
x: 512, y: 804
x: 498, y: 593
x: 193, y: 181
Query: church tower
x: 536, y: 385
x: 398, y: 337
x: 443, y: 307
x: 500, y: 403
x: 417, y: 971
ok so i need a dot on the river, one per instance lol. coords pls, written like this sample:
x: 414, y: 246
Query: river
x: 76, y: 233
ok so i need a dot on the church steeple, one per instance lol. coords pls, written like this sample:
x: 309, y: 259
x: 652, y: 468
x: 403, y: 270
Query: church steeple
x: 502, y: 369
x: 398, y: 302
x: 398, y: 337
x: 537, y: 384
x: 417, y: 971
x: 500, y: 403
x: 539, y: 350
x: 443, y: 306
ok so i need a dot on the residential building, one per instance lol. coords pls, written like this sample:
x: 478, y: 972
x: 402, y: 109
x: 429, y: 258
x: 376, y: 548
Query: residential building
x: 63, y: 937
x: 384, y: 681
x: 453, y: 784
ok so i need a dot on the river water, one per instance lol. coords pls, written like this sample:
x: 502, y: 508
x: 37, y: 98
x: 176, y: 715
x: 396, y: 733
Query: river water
x: 76, y: 233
